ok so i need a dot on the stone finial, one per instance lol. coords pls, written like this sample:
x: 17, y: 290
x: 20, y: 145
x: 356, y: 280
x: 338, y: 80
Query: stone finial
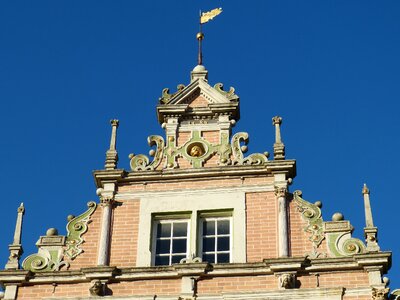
x: 279, y: 147
x: 16, y: 248
x: 112, y: 154
x: 365, y: 189
x: 370, y: 231
x: 199, y: 72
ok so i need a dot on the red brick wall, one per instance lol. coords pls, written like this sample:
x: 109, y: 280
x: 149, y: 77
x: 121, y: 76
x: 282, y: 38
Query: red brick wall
x: 147, y: 287
x: 261, y: 228
x: 124, y: 234
x: 200, y: 101
x: 39, y: 292
x: 211, y: 136
x: 237, y: 283
x: 353, y: 279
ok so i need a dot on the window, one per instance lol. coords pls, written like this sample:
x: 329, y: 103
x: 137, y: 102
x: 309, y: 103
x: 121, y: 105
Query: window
x: 193, y: 208
x: 171, y: 241
x: 216, y: 239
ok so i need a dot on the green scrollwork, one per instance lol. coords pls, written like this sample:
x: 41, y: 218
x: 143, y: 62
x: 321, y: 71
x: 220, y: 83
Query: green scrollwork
x: 75, y: 229
x: 141, y: 162
x: 238, y: 150
x: 44, y: 261
x: 342, y: 244
x: 229, y: 94
x: 312, y: 215
x: 166, y: 96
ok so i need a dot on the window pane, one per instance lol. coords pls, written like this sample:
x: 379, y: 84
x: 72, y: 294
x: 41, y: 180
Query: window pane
x: 208, y: 227
x: 223, y: 258
x: 163, y: 230
x: 163, y: 246
x: 162, y: 260
x: 177, y: 258
x: 208, y: 244
x: 223, y: 227
x: 223, y: 243
x: 180, y: 229
x: 209, y: 258
x: 179, y: 246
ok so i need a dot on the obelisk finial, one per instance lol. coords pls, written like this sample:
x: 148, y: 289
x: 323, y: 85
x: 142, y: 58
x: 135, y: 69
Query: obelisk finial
x: 370, y: 231
x: 16, y: 247
x: 112, y: 154
x: 279, y: 147
x: 204, y: 18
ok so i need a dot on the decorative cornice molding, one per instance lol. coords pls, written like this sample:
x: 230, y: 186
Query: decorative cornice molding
x: 121, y: 176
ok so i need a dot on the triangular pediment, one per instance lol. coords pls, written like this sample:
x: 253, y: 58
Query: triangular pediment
x: 198, y: 99
x: 199, y: 90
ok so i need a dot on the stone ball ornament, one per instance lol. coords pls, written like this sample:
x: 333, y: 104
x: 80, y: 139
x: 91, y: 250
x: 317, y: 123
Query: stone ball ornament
x: 51, y: 232
x: 337, y: 217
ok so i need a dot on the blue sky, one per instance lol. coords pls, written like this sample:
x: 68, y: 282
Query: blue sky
x: 329, y: 68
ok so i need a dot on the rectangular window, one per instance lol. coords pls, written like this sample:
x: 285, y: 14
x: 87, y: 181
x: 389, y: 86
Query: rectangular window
x: 171, y: 242
x: 216, y: 239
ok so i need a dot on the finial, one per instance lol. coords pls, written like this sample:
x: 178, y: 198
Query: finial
x: 16, y: 247
x: 204, y: 18
x: 279, y: 147
x: 365, y: 189
x: 370, y: 231
x: 111, y: 154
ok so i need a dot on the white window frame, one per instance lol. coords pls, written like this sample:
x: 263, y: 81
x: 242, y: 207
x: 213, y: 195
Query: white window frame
x: 154, y: 238
x: 194, y: 203
x: 217, y: 217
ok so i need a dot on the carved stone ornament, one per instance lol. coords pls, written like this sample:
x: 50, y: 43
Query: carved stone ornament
x: 229, y: 94
x: 76, y: 228
x: 380, y: 293
x: 141, y: 162
x: 97, y: 288
x: 395, y: 295
x: 312, y: 215
x: 287, y: 281
x: 280, y: 192
x: 50, y: 256
x: 197, y: 151
x: 166, y: 96
x: 238, y: 150
x: 191, y: 260
x: 45, y: 260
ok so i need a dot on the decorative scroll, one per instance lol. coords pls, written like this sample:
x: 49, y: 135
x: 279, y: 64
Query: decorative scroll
x: 141, y: 162
x: 224, y: 150
x: 75, y: 229
x: 312, y: 215
x: 166, y: 96
x: 342, y: 244
x: 238, y: 150
x: 45, y: 260
x: 219, y: 87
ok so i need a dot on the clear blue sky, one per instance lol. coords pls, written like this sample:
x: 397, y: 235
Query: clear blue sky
x: 329, y: 68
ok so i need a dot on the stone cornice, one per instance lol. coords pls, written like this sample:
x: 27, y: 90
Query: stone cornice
x: 301, y: 265
x: 121, y: 176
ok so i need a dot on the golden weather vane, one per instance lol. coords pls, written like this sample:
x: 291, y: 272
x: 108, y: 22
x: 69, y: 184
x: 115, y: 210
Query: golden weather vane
x: 204, y: 18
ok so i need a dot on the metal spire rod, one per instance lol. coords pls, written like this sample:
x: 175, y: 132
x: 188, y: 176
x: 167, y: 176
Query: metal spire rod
x: 200, y: 37
x: 204, y: 18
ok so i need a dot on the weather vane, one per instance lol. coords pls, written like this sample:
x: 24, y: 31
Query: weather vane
x: 204, y: 18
